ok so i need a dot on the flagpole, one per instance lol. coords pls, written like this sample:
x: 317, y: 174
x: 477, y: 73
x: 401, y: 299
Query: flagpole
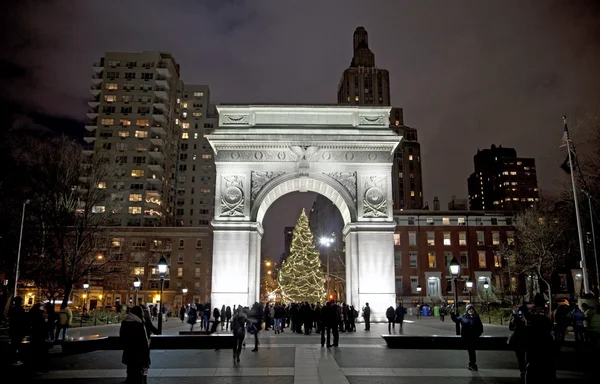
x: 586, y: 286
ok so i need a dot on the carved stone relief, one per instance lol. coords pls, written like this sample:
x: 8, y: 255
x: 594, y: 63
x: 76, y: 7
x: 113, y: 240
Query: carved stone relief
x: 374, y: 200
x: 232, y: 195
x: 304, y: 152
x: 348, y: 181
x: 259, y: 179
x: 311, y: 154
x: 236, y: 119
x: 371, y: 120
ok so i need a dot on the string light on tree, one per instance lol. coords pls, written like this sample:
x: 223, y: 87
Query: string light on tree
x: 301, y: 278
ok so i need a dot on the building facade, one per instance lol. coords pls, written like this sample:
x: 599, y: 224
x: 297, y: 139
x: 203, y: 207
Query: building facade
x: 364, y: 84
x: 426, y: 242
x: 502, y: 181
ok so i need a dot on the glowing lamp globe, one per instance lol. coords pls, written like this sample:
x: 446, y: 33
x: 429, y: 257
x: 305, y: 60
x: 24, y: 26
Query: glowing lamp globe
x: 454, y: 267
x: 162, y: 266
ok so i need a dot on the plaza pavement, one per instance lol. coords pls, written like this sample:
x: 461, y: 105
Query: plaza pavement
x: 361, y: 358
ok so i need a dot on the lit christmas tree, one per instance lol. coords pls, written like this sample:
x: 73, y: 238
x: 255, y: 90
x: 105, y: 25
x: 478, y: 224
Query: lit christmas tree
x: 301, y: 277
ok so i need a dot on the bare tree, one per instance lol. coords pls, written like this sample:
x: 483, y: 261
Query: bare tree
x: 542, y: 248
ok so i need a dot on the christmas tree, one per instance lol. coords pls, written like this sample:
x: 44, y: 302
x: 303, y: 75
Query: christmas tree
x: 301, y: 277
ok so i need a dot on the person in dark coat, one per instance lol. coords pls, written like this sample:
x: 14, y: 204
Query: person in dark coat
x: 540, y: 351
x: 182, y: 313
x: 256, y: 317
x: 223, y: 317
x: 470, y: 330
x: 400, y: 312
x: 390, y: 313
x: 216, y: 321
x: 227, y: 317
x: 39, y: 334
x: 367, y: 317
x: 136, y: 346
x: 18, y: 326
x: 238, y: 326
x: 518, y: 337
x: 150, y: 328
x: 193, y: 317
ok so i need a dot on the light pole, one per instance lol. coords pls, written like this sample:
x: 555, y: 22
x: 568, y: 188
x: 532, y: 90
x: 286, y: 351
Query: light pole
x: 162, y: 270
x: 184, y: 291
x: 469, y: 287
x: 419, y: 289
x: 136, y: 284
x: 19, y: 251
x: 486, y: 286
x: 326, y: 241
x: 593, y: 237
x: 455, y: 271
x: 86, y: 286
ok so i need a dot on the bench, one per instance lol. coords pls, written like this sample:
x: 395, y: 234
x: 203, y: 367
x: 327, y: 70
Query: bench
x: 485, y: 343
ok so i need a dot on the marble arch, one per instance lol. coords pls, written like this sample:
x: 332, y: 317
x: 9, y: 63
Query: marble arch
x: 345, y: 153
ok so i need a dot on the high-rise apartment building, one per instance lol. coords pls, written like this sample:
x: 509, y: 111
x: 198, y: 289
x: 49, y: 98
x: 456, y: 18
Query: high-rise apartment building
x: 132, y: 121
x: 152, y: 127
x: 502, y: 181
x: 195, y: 171
x: 364, y: 84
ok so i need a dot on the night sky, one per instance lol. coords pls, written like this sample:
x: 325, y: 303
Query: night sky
x: 467, y: 73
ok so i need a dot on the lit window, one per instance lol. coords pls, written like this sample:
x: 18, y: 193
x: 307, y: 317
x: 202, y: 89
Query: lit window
x: 198, y: 94
x: 107, y: 121
x: 123, y: 133
x: 496, y: 238
x: 356, y: 98
x: 197, y: 272
x: 497, y: 260
x: 179, y: 272
x: 195, y: 135
x: 184, y: 114
x: 193, y: 157
x: 480, y: 238
x: 185, y: 125
x: 176, y: 121
x: 462, y: 238
x: 101, y: 185
x: 184, y: 105
x: 431, y: 259
x: 135, y: 210
x: 98, y: 209
x: 412, y: 193
x: 141, y: 134
x: 112, y: 86
x: 197, y: 114
x: 207, y: 156
x: 138, y: 271
x: 410, y: 157
x: 204, y: 190
x: 431, y: 239
x: 510, y: 238
x: 135, y: 197
x: 117, y: 241
x: 447, y: 238
x: 110, y: 98
x: 185, y: 135
x: 142, y: 123
x: 125, y: 122
x: 445, y: 220
x: 396, y: 239
x: 481, y: 256
x: 137, y: 173
x: 461, y: 221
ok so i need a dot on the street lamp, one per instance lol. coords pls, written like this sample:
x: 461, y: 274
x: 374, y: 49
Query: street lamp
x: 162, y: 270
x: 326, y: 241
x: 19, y: 251
x: 268, y: 263
x: 486, y: 286
x: 136, y: 284
x: 419, y: 289
x: 86, y: 286
x: 184, y: 291
x: 593, y: 234
x: 455, y: 271
x: 469, y: 287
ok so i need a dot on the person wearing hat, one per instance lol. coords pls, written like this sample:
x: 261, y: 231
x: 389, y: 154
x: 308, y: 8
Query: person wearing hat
x: 470, y: 330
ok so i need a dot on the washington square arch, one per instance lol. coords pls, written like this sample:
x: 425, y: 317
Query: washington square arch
x: 344, y: 153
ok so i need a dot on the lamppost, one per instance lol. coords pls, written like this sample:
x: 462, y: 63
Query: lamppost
x: 162, y: 270
x: 469, y: 287
x: 486, y: 286
x: 327, y: 241
x: 593, y: 237
x: 19, y: 251
x: 86, y: 286
x: 455, y: 271
x: 419, y: 289
x: 136, y: 284
x: 184, y: 291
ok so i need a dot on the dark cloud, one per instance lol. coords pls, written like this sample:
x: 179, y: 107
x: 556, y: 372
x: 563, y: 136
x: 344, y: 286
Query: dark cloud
x: 467, y: 73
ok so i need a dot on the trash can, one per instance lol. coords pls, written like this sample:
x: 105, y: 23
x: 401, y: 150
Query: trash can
x: 436, y: 311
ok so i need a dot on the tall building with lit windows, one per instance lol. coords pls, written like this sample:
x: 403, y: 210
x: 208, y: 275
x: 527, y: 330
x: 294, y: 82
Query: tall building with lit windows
x: 364, y: 84
x: 195, y: 170
x: 502, y: 181
x: 151, y: 126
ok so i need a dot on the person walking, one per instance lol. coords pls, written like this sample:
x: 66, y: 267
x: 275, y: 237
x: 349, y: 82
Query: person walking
x: 65, y: 317
x: 17, y: 329
x: 182, y: 314
x: 136, y: 346
x: 256, y: 317
x: 391, y: 317
x: 367, y: 317
x: 400, y: 312
x: 222, y: 317
x: 238, y: 326
x: 518, y: 337
x: 540, y: 350
x: 470, y: 330
x: 228, y: 317
x: 193, y: 317
x: 578, y: 319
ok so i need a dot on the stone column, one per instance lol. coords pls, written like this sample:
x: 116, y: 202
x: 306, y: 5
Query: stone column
x: 236, y: 263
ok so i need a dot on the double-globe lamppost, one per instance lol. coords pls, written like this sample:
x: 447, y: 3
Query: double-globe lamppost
x: 137, y: 284
x: 469, y: 287
x: 455, y: 271
x: 327, y: 241
x: 162, y: 271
